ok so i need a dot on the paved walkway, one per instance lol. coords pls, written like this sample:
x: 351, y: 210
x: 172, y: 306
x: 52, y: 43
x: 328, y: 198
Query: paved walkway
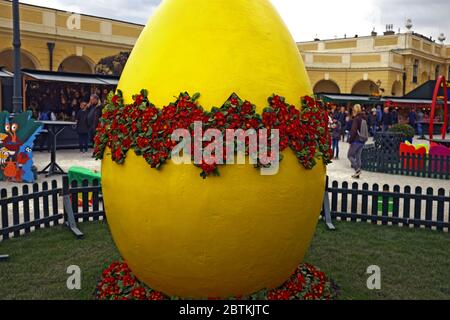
x: 339, y: 170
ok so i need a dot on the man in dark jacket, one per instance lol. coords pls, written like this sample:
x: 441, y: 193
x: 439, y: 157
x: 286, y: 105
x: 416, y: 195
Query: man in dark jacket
x: 94, y: 114
x: 386, y: 120
x: 82, y: 127
x: 356, y: 144
x: 412, y: 118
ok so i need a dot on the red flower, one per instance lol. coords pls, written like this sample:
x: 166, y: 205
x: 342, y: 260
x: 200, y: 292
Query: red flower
x: 156, y: 296
x: 118, y: 154
x: 126, y: 143
x: 139, y: 99
x: 279, y: 295
x: 247, y: 108
x: 115, y: 100
x: 234, y: 101
x: 123, y: 129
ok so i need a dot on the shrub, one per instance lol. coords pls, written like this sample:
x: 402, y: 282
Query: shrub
x: 407, y: 131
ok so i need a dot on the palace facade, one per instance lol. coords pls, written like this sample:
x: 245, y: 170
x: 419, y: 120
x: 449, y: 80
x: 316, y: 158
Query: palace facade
x: 390, y: 64
x: 56, y: 40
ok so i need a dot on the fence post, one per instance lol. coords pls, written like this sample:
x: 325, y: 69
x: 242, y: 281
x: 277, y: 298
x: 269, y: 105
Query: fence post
x: 4, y: 218
x: 429, y: 208
x: 418, y: 207
x: 327, y: 209
x: 4, y: 213
x: 440, y: 208
x: 69, y: 217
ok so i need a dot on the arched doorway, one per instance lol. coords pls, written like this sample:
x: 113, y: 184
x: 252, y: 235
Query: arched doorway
x: 76, y: 64
x: 7, y: 60
x: 326, y: 86
x: 365, y: 87
x: 397, y: 89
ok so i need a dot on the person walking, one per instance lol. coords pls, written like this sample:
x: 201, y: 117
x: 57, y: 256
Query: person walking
x: 94, y: 114
x: 386, y: 120
x: 336, y: 136
x: 394, y: 116
x: 412, y: 118
x: 420, y: 117
x: 359, y: 135
x: 82, y: 127
x: 372, y: 120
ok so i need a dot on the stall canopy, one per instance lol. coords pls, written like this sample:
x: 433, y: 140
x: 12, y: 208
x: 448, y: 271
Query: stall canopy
x: 368, y: 100
x: 426, y: 91
x: 70, y: 77
x: 5, y: 73
x: 347, y: 98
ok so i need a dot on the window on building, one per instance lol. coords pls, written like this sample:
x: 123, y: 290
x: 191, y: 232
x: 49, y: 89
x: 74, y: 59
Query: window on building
x: 437, y: 72
x: 415, y: 71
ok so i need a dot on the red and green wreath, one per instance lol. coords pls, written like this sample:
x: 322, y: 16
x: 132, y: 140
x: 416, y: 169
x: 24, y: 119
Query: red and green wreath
x: 307, y: 283
x: 147, y: 130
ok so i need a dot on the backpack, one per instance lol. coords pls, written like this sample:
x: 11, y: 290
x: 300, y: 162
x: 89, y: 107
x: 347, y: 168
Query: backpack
x: 363, y: 133
x: 44, y: 116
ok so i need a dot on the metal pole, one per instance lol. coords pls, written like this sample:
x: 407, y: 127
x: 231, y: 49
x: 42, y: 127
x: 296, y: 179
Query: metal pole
x: 51, y: 48
x: 17, y: 97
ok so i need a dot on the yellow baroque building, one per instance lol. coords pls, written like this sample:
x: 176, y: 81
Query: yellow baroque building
x: 56, y: 40
x: 61, y: 41
x: 394, y: 64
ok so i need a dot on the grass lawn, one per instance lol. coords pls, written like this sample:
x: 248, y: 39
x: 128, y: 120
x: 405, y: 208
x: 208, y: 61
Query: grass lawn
x: 415, y: 264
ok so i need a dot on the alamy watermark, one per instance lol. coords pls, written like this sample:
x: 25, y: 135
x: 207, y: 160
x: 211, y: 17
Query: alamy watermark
x: 74, y: 280
x: 374, y: 281
x: 231, y: 147
x: 73, y: 22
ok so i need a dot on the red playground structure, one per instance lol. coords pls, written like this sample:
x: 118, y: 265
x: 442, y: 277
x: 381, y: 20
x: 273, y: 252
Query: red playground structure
x: 440, y: 83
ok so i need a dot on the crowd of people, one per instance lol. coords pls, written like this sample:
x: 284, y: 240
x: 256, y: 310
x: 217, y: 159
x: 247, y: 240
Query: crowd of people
x: 80, y: 104
x: 357, y: 123
x: 54, y: 101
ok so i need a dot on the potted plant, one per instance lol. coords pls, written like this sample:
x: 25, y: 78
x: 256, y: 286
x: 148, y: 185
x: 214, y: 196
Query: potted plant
x: 405, y: 129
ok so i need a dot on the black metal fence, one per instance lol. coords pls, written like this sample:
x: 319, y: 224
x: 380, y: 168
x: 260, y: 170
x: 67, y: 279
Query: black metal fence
x: 388, y: 205
x: 384, y: 156
x: 42, y: 206
x: 423, y: 166
x: 47, y: 205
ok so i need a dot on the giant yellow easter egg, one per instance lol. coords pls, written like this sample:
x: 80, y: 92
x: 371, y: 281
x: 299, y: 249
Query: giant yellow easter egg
x: 222, y: 236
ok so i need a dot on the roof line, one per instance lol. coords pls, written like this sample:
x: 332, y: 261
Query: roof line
x: 83, y: 14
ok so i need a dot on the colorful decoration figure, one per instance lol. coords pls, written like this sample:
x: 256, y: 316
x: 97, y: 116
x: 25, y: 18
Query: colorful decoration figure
x: 227, y: 235
x: 17, y: 136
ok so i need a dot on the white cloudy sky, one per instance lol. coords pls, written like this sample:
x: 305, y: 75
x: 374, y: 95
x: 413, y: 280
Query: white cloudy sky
x: 306, y: 19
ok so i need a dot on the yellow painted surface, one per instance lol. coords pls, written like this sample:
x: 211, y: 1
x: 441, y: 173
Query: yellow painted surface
x: 126, y: 30
x: 386, y: 41
x: 228, y: 235
x: 346, y: 44
x: 308, y: 46
x: 366, y: 58
x: 327, y: 59
x: 240, y: 42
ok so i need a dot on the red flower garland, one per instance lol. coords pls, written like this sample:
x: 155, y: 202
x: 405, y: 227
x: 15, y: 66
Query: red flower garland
x: 307, y: 283
x: 146, y: 129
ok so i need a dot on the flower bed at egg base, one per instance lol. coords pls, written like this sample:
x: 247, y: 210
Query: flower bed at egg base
x: 307, y: 283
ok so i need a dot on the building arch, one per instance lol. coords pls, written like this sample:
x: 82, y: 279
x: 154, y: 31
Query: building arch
x: 365, y: 87
x: 77, y: 64
x: 28, y: 60
x: 327, y: 86
x: 397, y: 89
